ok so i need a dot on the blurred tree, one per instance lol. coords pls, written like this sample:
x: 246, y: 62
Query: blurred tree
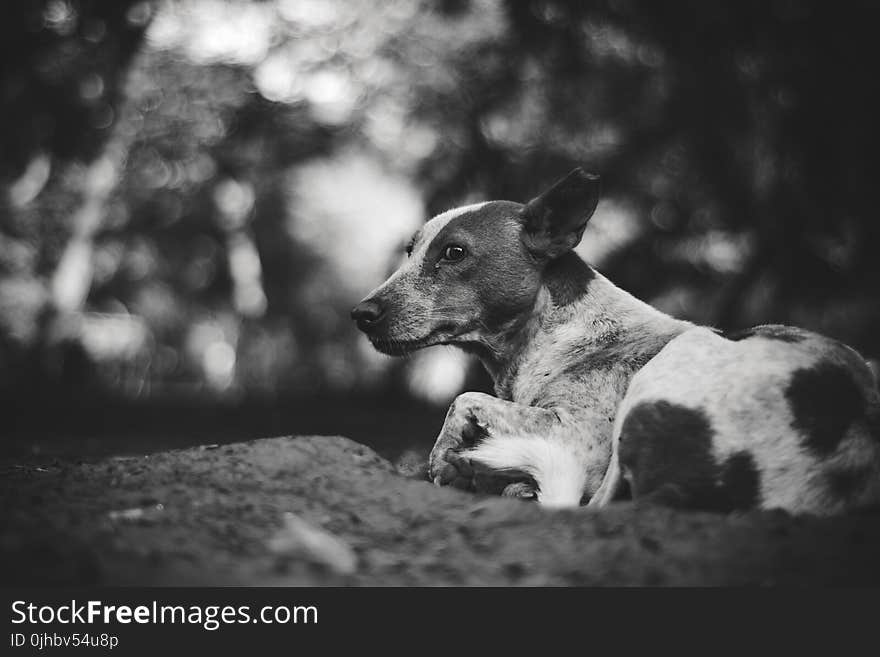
x: 60, y: 83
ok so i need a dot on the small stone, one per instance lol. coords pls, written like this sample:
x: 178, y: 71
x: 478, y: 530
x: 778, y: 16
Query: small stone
x: 140, y: 513
x: 300, y: 538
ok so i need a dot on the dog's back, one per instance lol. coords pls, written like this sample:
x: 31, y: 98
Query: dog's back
x: 775, y: 417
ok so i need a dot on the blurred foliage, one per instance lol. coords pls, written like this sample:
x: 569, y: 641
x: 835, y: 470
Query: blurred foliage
x: 193, y: 194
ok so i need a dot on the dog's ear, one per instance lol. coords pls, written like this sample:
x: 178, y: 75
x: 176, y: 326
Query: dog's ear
x: 554, y: 222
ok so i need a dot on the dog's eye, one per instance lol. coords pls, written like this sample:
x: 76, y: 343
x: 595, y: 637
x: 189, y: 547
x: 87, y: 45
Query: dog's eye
x: 454, y: 252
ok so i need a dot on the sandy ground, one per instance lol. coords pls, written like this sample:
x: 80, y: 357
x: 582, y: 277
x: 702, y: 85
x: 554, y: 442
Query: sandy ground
x: 328, y: 511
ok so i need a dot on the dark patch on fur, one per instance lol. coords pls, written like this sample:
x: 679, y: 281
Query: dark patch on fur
x: 825, y: 400
x: 475, y: 228
x: 498, y: 270
x: 740, y: 480
x: 486, y: 230
x: 770, y: 331
x: 568, y: 278
x: 667, y: 449
x: 663, y: 443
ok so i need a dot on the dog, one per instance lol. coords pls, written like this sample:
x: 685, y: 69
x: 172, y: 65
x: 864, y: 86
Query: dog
x: 597, y: 392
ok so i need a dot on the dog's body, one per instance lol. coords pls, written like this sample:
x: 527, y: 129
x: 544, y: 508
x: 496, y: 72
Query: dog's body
x: 594, y: 387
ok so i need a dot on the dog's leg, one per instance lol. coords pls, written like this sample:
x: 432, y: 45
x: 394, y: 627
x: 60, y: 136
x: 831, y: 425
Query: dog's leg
x: 611, y: 481
x: 609, y: 486
x: 475, y: 415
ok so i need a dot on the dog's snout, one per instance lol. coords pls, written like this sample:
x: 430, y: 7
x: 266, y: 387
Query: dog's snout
x: 367, y: 314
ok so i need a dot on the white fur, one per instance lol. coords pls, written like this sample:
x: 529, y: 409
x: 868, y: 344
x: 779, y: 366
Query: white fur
x: 560, y: 477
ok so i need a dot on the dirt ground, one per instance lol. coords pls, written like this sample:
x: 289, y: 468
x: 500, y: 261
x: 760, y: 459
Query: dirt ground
x: 323, y: 510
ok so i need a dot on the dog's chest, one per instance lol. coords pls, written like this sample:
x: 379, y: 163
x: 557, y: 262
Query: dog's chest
x: 566, y: 367
x: 543, y: 372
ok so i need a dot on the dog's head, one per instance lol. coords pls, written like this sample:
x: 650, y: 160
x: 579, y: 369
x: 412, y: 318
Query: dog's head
x: 475, y: 271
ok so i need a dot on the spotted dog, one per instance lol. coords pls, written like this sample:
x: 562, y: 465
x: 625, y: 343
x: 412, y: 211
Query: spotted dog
x: 597, y: 392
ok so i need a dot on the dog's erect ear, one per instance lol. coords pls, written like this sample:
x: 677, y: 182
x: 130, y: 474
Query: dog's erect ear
x: 554, y: 222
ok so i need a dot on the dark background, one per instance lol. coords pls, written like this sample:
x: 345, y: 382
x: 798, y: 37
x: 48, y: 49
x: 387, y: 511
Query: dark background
x: 194, y: 194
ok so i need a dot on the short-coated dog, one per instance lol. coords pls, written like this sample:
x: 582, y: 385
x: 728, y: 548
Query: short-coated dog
x: 597, y: 392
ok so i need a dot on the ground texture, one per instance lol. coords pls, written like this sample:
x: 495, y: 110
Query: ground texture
x: 328, y: 511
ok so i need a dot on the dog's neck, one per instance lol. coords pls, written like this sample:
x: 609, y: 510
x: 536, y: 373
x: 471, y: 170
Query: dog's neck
x: 607, y: 325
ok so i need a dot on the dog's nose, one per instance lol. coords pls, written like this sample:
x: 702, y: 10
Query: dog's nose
x: 367, y: 314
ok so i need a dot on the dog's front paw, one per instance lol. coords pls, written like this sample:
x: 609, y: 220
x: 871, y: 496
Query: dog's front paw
x: 461, y: 430
x: 452, y: 470
x: 446, y: 466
